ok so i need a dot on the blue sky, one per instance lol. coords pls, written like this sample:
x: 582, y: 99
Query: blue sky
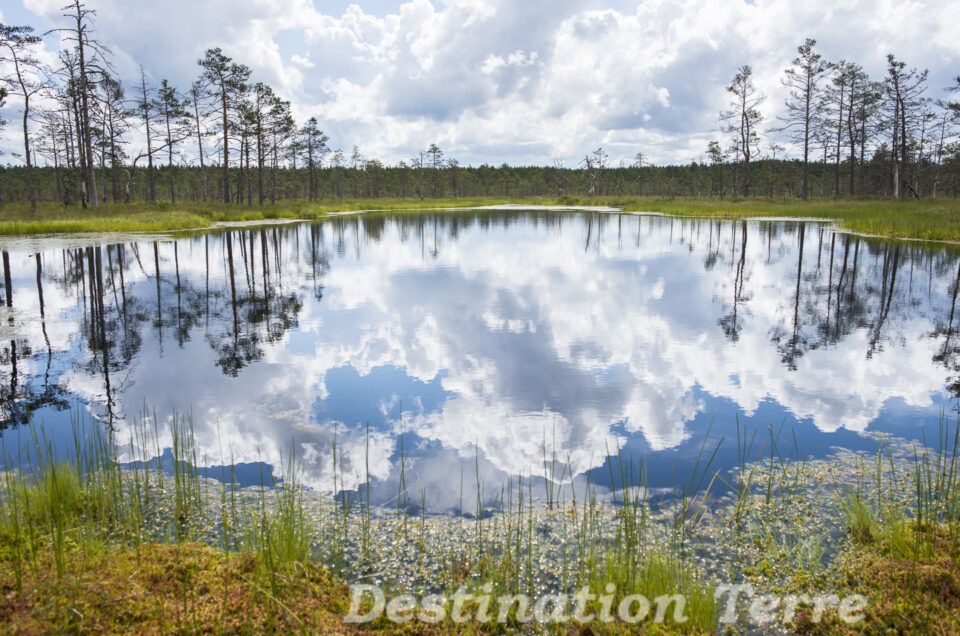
x: 505, y: 81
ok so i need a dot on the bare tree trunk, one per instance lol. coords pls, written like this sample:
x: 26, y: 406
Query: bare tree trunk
x: 903, y: 140
x: 863, y: 150
x: 203, y: 171
x: 836, y: 165
x: 261, y: 156
x: 226, y: 144
x: 114, y: 168
x: 312, y: 186
x: 273, y: 172
x: 146, y: 119
x: 247, y: 171
x: 173, y: 198
x: 808, y: 96
x: 84, y: 89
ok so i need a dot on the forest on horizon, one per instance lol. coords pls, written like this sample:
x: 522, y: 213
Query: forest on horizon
x: 227, y: 139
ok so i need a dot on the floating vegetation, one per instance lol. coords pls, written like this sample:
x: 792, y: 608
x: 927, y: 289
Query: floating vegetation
x: 781, y: 525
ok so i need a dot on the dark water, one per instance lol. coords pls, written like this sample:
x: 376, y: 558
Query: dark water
x: 484, y: 343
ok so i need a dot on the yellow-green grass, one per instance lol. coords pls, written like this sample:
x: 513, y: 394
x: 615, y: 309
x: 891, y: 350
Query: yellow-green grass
x: 926, y: 220
x: 929, y: 219
x: 16, y: 219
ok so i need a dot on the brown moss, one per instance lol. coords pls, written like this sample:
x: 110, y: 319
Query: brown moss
x: 187, y: 588
x: 910, y: 596
x: 193, y: 588
x: 905, y: 595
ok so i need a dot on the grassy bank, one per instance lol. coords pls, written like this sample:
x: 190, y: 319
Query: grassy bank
x: 96, y: 544
x: 100, y: 544
x: 926, y: 220
x: 16, y: 219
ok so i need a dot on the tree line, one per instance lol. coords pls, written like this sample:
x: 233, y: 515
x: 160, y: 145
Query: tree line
x: 227, y: 139
x: 836, y: 109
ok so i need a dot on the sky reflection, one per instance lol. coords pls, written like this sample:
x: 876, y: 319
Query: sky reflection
x: 488, y: 341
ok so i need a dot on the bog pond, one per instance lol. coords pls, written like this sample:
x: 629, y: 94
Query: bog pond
x: 451, y: 352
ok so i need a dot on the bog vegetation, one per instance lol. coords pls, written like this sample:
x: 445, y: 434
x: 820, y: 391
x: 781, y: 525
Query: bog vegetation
x: 110, y: 536
x: 113, y: 539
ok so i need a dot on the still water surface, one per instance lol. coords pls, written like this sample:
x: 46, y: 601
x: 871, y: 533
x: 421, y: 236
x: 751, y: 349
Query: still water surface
x: 483, y: 343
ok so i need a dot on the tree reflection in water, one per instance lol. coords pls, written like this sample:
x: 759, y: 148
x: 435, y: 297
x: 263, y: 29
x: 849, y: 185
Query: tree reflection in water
x: 500, y: 330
